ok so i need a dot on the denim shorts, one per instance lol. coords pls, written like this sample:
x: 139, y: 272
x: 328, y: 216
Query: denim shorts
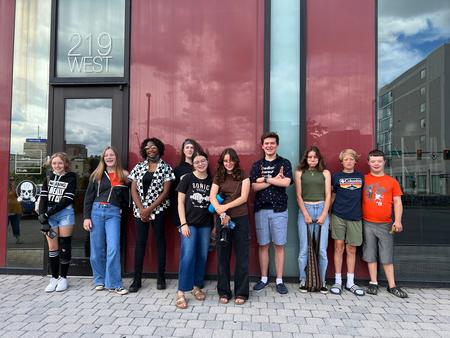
x: 63, y: 218
x: 271, y: 226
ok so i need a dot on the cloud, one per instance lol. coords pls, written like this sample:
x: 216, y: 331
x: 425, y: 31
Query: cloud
x: 408, y: 30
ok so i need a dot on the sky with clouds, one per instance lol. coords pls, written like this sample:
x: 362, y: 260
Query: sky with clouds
x: 408, y: 30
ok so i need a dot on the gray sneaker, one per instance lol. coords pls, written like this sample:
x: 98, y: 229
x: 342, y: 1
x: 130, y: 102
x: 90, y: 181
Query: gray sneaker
x: 119, y: 291
x: 302, y: 288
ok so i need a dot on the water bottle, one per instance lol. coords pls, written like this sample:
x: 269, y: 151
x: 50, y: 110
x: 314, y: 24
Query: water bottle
x: 220, y: 199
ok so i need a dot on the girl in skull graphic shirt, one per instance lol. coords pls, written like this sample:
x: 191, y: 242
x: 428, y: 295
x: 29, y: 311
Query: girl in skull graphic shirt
x: 57, y: 192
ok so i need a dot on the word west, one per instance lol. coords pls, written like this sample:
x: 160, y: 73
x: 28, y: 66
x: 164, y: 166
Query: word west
x: 88, y: 55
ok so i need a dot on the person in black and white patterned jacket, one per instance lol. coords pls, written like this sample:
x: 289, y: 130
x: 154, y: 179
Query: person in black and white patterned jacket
x: 150, y: 187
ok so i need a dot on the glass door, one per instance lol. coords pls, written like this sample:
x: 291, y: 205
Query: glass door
x: 85, y: 121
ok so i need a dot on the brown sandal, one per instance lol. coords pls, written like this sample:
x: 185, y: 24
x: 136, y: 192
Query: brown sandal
x: 223, y: 300
x: 239, y: 300
x: 181, y: 301
x: 198, y: 293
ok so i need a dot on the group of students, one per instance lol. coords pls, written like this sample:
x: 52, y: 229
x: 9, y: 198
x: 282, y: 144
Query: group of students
x: 204, y: 205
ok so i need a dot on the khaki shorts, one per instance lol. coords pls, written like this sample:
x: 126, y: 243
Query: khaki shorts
x: 348, y: 231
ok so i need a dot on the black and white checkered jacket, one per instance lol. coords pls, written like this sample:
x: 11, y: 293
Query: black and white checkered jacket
x: 162, y: 174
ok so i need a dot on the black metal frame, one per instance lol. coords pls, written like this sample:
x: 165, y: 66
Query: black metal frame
x: 54, y: 80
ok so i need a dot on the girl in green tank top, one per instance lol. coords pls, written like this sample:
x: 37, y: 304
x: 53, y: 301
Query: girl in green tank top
x: 313, y: 190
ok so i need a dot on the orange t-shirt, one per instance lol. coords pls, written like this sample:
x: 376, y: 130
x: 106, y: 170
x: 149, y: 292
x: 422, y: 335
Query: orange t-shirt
x: 114, y: 180
x: 378, y: 198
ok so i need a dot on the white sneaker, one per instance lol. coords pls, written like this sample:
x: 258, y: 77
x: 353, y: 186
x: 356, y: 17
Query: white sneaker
x: 120, y: 291
x: 99, y: 287
x: 62, y: 284
x: 52, y: 285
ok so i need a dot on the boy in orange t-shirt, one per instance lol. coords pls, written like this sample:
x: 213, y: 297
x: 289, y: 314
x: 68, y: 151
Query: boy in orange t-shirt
x: 382, y: 193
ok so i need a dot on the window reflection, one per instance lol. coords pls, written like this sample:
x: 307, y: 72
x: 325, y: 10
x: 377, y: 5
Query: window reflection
x: 412, y: 128
x: 28, y: 127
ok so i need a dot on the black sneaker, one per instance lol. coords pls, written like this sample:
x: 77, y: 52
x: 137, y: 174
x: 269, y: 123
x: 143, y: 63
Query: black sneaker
x: 324, y: 289
x: 135, y: 286
x: 302, y: 288
x: 260, y: 285
x: 282, y: 289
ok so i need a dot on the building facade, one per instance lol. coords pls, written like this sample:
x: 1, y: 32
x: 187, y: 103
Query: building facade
x: 77, y: 76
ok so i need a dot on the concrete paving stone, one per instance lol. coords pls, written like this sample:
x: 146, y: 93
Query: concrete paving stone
x: 107, y: 329
x: 428, y: 326
x: 271, y: 327
x: 104, y: 320
x: 225, y: 316
x: 333, y: 322
x: 429, y: 333
x: 234, y: 309
x: 202, y: 333
x: 368, y: 332
x: 122, y: 321
x: 183, y: 332
x: 207, y: 316
x: 259, y: 305
x: 315, y: 321
x: 232, y: 325
x: 302, y: 313
x: 309, y: 329
x: 218, y: 309
x: 289, y: 328
x: 225, y: 334
x: 242, y: 318
x: 126, y: 329
x: 242, y: 334
x: 327, y: 329
x: 407, y: 333
x: 195, y: 324
x: 338, y: 315
x: 320, y: 314
x: 32, y: 326
x: 347, y: 331
x: 11, y: 334
x: 199, y: 308
x: 140, y: 321
x: 356, y: 316
x: 14, y: 326
x: 148, y: 331
x: 250, y: 326
x: 352, y: 323
x: 388, y: 332
x: 158, y: 322
x: 322, y: 335
x: 176, y: 323
x: 278, y: 319
x: 189, y: 315
x: 213, y: 324
x: 260, y: 319
x: 32, y: 334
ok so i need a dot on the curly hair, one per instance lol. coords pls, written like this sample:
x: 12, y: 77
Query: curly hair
x: 158, y: 143
x: 303, y: 165
x: 221, y: 173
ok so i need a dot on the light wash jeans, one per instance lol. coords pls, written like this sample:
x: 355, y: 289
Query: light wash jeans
x: 314, y: 210
x: 105, y: 245
x: 193, y: 255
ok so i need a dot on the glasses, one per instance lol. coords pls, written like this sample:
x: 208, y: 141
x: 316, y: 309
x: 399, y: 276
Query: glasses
x: 151, y: 147
x: 200, y: 161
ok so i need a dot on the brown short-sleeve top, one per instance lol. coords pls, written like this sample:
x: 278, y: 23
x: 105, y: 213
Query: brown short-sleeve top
x: 231, y: 189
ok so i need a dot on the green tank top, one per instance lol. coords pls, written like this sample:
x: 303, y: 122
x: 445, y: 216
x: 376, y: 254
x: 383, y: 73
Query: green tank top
x: 313, y: 186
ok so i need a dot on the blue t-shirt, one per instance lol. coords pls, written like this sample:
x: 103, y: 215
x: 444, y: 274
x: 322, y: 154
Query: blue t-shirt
x: 273, y: 197
x: 348, y: 190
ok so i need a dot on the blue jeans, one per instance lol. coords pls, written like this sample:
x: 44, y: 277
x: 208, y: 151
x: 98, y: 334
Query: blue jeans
x: 314, y: 210
x: 105, y: 245
x: 193, y: 255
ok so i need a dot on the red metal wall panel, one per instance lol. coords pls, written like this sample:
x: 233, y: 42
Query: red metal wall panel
x: 340, y: 77
x: 6, y: 66
x: 197, y: 70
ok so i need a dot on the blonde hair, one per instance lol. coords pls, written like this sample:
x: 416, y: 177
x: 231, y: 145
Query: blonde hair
x: 350, y: 152
x: 118, y: 169
x: 64, y: 157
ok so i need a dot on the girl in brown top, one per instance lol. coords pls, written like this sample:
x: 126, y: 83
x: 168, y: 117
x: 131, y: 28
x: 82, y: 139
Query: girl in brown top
x: 233, y: 185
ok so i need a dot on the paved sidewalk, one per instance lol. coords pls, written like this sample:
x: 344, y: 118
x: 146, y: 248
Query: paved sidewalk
x: 27, y: 311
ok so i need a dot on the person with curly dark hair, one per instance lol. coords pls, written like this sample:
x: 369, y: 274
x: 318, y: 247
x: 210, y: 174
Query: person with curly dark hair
x: 150, y: 188
x: 232, y: 225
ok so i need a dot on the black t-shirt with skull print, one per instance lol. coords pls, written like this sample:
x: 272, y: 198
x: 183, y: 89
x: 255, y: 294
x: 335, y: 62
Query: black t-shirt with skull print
x: 57, y: 193
x: 197, y: 199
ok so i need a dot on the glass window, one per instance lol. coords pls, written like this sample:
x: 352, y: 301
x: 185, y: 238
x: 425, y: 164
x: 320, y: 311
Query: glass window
x: 284, y: 95
x: 423, y: 74
x: 422, y: 107
x: 403, y: 26
x: 28, y: 131
x: 86, y: 45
